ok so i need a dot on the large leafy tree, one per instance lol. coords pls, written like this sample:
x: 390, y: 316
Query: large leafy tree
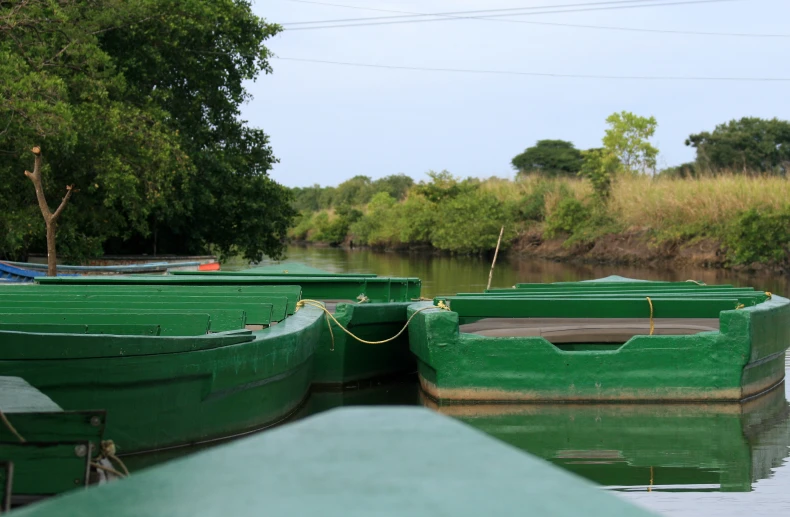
x: 550, y: 158
x: 61, y: 91
x: 136, y: 102
x: 750, y: 145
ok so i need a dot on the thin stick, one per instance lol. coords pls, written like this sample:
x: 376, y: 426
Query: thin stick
x: 491, y: 273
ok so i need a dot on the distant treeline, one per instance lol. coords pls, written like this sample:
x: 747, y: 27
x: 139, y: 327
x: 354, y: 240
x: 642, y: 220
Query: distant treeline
x: 736, y: 192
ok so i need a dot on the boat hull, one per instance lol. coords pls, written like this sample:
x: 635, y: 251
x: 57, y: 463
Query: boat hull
x: 741, y: 360
x: 166, y: 400
x: 341, y: 360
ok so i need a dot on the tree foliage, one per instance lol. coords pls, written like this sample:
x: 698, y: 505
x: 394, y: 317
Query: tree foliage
x: 550, y: 158
x: 628, y: 139
x: 136, y: 102
x: 749, y: 145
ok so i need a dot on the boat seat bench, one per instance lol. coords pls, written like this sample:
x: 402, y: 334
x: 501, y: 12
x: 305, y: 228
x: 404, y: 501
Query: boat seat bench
x: 470, y: 308
x: 184, y: 324
x: 262, y: 309
x: 84, y: 328
x: 587, y: 330
x: 257, y: 313
x: 221, y: 319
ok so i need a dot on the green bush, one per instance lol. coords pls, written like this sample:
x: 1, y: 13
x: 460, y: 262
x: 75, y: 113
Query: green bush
x: 759, y: 236
x: 470, y: 223
x: 569, y: 216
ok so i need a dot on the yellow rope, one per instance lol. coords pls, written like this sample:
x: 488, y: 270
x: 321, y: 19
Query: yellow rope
x: 739, y: 307
x: 107, y: 469
x: 320, y: 305
x: 652, y: 325
x: 11, y: 428
x: 768, y: 294
x: 650, y: 488
x: 108, y: 451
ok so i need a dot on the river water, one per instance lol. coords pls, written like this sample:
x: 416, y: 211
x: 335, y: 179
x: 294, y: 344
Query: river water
x: 677, y: 460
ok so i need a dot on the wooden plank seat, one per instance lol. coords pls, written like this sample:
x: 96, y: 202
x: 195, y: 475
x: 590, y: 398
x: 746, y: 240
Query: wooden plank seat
x: 470, y: 308
x: 587, y: 330
x: 221, y: 320
x: 82, y: 328
x: 259, y: 310
x: 175, y: 324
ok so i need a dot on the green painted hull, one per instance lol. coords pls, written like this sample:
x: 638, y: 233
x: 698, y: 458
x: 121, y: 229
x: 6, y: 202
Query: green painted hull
x: 182, y: 397
x: 724, y: 446
x: 744, y: 358
x: 352, y: 361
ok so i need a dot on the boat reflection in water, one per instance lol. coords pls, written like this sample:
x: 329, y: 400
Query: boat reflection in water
x: 634, y: 447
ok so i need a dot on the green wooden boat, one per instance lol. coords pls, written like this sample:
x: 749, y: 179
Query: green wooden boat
x: 371, y: 307
x: 608, y: 340
x: 172, y: 365
x: 351, y: 462
x: 44, y: 450
x: 703, y: 447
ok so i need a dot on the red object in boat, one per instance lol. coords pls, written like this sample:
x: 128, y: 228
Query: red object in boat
x: 211, y: 266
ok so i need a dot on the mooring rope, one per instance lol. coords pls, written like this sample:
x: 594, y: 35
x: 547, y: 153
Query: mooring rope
x: 108, y: 451
x: 11, y: 428
x: 652, y: 325
x: 695, y: 282
x: 329, y: 315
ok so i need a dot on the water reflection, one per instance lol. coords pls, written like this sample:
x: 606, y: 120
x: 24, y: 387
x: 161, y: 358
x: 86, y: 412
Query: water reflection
x: 446, y: 275
x: 656, y: 447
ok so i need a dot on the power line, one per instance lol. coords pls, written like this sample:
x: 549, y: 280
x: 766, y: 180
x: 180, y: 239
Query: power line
x: 555, y: 24
x: 540, y: 74
x: 331, y: 24
x: 448, y: 13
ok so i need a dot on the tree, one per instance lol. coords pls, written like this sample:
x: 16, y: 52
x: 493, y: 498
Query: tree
x: 600, y: 167
x: 550, y: 158
x: 627, y: 139
x: 396, y: 185
x: 154, y: 87
x: 750, y: 145
x: 50, y: 218
x: 355, y: 191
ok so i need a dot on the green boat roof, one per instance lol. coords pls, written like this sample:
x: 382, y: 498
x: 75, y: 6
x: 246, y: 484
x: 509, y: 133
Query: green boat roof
x: 17, y: 396
x: 350, y: 462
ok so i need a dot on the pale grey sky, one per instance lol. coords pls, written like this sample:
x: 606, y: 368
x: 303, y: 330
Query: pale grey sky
x: 329, y: 122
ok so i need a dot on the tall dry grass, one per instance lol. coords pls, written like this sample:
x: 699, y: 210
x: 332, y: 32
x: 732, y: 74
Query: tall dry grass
x: 645, y: 202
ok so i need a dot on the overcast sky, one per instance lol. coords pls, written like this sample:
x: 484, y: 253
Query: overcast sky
x: 330, y: 122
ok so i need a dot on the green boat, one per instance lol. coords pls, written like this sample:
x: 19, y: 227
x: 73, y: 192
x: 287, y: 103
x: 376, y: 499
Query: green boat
x: 613, y: 339
x: 371, y: 307
x: 44, y: 450
x: 349, y: 463
x: 648, y: 447
x: 172, y: 365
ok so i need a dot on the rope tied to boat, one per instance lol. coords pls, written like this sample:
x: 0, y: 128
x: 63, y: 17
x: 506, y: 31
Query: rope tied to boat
x: 696, y: 282
x: 652, y: 324
x: 329, y: 316
x: 11, y: 428
x: 768, y: 294
x: 108, y: 451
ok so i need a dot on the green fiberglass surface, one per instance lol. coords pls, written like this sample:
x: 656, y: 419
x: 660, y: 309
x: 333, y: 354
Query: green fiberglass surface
x: 396, y: 461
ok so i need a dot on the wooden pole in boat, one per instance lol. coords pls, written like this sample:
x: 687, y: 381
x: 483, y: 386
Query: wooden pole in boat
x: 496, y: 252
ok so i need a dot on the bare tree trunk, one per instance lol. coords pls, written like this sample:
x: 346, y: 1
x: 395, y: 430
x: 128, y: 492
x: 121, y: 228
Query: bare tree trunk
x: 50, y: 218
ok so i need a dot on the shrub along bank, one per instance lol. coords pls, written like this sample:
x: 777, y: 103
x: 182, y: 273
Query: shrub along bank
x: 725, y: 220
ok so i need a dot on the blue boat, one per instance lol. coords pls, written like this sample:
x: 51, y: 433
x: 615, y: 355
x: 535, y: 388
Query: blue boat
x: 9, y: 273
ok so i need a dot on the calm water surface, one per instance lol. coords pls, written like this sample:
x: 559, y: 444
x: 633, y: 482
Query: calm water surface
x: 679, y: 460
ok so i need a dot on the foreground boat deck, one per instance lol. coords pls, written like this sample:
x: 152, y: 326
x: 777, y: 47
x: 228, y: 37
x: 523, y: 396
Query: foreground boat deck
x: 346, y: 463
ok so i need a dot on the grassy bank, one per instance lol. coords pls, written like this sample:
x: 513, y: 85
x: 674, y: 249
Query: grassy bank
x: 746, y: 218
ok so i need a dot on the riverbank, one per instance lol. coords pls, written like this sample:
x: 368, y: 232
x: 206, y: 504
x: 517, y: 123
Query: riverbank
x: 735, y: 221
